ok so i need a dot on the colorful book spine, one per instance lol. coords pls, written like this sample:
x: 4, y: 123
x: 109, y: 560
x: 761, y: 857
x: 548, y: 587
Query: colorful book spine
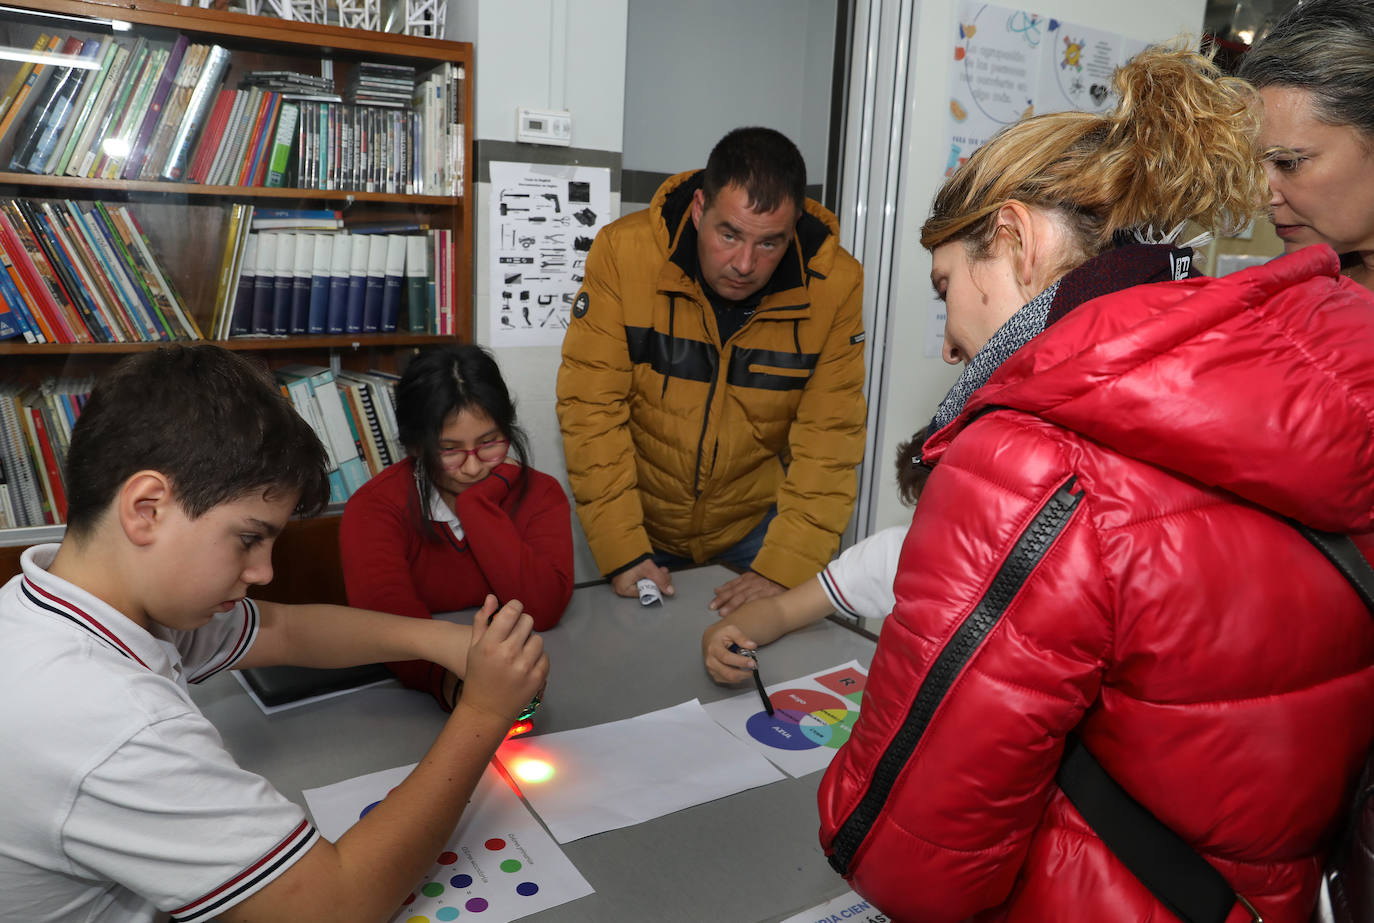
x: 81, y: 109
x: 116, y: 147
x: 281, y: 145
x: 203, y: 97
x: 208, y: 144
x: 45, y: 278
x: 50, y: 84
x: 140, y: 242
x: 101, y: 219
x: 48, y: 127
x: 214, y: 173
x: 14, y: 320
x: 33, y: 76
x: 161, y: 87
x: 173, y: 111
x: 12, y: 88
x: 89, y: 281
x: 241, y: 316
x: 94, y: 121
x: 116, y: 109
x: 103, y: 243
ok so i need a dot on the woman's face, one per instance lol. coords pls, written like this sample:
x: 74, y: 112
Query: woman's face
x: 1321, y: 176
x: 470, y: 446
x: 979, y: 296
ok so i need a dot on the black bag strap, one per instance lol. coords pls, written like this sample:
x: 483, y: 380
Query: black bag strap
x: 1182, y: 880
x: 1175, y: 874
x: 1342, y: 552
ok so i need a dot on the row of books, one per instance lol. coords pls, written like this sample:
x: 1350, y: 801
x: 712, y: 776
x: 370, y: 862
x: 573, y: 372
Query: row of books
x: 285, y: 282
x: 134, y: 115
x: 83, y: 272
x: 35, y: 430
x: 353, y: 413
x: 143, y: 112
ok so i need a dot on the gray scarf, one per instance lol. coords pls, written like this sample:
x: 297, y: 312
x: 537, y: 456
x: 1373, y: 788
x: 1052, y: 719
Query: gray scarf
x: 1023, y: 326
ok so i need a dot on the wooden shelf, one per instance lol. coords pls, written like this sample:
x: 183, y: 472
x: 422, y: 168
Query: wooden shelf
x: 224, y: 23
x: 66, y: 184
x: 242, y: 344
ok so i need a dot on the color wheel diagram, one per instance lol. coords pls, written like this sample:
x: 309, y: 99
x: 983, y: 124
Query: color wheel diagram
x: 499, y: 866
x: 804, y: 719
x: 812, y: 718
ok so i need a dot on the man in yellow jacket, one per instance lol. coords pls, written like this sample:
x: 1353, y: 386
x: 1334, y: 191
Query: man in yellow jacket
x: 711, y: 390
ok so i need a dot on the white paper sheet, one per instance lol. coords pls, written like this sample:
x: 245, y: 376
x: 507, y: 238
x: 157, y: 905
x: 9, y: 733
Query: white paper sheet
x: 812, y: 716
x: 499, y: 863
x: 625, y: 772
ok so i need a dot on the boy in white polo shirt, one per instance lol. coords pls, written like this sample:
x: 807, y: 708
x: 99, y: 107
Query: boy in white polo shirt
x: 121, y: 803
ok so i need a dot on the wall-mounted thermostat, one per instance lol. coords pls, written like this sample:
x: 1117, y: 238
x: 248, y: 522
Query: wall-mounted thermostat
x: 543, y: 126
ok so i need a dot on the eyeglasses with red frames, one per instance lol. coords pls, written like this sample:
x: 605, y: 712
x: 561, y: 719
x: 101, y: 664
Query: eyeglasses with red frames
x: 492, y: 451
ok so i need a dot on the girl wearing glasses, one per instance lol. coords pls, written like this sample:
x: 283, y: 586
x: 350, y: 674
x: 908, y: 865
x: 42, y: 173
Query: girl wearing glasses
x: 462, y: 516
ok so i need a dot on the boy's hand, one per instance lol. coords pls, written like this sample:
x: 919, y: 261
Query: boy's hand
x: 726, y: 668
x: 506, y: 661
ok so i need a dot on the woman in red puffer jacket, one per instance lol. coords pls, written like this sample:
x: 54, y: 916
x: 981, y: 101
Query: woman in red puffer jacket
x: 1102, y: 547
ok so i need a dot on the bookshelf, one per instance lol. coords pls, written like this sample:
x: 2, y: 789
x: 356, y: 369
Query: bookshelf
x: 187, y: 225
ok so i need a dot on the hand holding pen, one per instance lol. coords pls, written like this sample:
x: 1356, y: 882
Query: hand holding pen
x: 758, y: 681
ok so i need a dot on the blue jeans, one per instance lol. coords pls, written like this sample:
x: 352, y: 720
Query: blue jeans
x: 739, y: 555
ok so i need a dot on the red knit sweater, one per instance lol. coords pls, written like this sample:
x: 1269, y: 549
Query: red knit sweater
x: 515, y: 550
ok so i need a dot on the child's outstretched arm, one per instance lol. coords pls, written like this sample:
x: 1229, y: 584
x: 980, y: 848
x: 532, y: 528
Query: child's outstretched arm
x: 339, y: 636
x: 760, y: 621
x: 369, y: 871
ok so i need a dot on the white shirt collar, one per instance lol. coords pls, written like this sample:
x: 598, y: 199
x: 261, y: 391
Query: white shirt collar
x: 94, y: 616
x: 439, y: 510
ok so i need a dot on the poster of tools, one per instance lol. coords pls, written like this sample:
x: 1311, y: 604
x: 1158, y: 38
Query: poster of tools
x: 543, y: 220
x: 1007, y: 64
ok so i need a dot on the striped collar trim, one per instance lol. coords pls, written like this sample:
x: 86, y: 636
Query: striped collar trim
x: 280, y: 858
x: 79, y: 617
x: 56, y: 596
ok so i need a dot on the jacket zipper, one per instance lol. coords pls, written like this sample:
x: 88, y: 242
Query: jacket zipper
x: 1030, y: 549
x: 711, y: 393
x: 705, y: 422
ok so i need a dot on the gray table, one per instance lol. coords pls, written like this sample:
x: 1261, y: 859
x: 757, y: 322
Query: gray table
x: 753, y: 856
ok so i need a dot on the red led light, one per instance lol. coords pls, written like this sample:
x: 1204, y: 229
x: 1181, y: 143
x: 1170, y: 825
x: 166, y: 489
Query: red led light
x: 520, y: 727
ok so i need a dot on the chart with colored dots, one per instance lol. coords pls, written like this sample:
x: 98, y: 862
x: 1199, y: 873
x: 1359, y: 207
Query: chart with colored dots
x: 812, y: 717
x: 500, y: 863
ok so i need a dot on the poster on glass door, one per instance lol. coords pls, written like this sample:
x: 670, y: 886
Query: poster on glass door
x: 543, y: 220
x: 1008, y: 64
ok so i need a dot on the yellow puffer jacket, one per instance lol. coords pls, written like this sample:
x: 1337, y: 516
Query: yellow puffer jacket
x: 677, y: 441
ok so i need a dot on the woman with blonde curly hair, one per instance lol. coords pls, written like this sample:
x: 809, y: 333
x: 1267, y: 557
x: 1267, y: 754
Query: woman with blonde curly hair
x: 1103, y: 552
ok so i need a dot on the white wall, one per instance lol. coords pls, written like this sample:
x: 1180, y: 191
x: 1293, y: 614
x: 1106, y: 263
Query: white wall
x: 915, y: 384
x: 519, y: 49
x: 696, y: 70
x: 566, y: 54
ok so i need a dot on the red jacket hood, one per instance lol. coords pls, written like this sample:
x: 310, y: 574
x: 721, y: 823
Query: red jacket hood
x: 1261, y: 383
